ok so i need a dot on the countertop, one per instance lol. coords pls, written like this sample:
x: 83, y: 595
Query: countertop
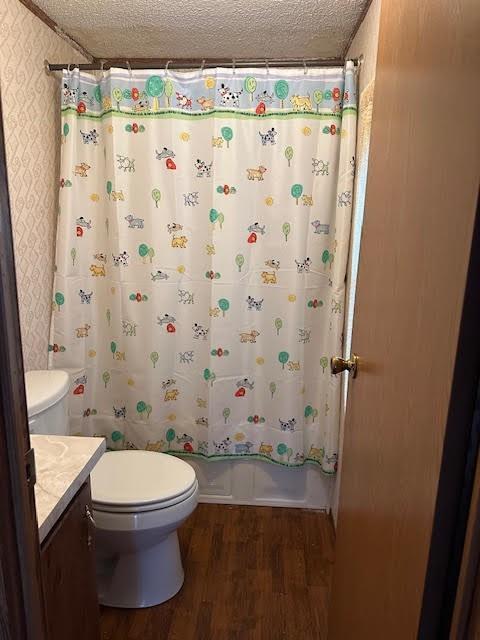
x: 63, y: 463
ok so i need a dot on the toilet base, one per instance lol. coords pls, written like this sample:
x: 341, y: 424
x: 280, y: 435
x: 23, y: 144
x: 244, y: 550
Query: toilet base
x: 142, y: 578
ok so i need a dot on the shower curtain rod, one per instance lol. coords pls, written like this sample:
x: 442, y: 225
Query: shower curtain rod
x: 193, y: 63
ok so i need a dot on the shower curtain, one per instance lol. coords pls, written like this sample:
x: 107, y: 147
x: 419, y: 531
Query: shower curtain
x: 202, y: 243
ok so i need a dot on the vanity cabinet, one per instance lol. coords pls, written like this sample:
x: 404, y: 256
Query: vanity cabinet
x: 68, y: 573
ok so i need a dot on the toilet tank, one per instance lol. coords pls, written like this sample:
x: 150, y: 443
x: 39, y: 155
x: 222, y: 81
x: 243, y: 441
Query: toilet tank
x: 47, y: 401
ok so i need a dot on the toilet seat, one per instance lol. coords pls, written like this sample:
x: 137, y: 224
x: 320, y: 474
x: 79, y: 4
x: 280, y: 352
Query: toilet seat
x: 138, y: 481
x: 152, y: 506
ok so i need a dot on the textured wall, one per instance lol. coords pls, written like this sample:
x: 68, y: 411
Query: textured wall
x: 208, y: 28
x: 30, y: 102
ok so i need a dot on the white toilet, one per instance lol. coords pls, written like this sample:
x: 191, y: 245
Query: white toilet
x: 140, y: 498
x: 47, y: 407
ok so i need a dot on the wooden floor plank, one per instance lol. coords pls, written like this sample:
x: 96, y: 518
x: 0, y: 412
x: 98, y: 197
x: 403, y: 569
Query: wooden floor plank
x: 251, y: 573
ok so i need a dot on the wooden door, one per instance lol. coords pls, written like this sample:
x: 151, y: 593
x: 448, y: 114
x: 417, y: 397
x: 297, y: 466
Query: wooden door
x: 68, y: 572
x: 21, y: 603
x: 419, y: 218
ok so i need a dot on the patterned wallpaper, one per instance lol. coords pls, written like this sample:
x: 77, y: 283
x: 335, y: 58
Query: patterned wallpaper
x: 31, y: 120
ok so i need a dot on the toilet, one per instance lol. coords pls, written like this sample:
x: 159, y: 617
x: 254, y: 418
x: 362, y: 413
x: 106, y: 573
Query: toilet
x: 140, y: 498
x: 47, y: 406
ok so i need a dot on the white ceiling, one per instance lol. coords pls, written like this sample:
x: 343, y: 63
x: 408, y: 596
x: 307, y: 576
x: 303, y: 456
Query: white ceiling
x: 208, y: 28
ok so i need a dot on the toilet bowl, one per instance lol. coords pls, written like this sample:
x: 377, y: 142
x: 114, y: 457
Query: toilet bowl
x: 139, y: 500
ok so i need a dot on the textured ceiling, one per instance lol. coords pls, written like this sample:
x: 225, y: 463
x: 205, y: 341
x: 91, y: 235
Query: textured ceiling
x: 208, y: 28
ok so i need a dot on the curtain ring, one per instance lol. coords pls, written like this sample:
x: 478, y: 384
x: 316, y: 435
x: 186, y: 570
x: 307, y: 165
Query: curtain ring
x: 305, y: 71
x: 70, y: 64
x: 102, y: 63
x: 129, y: 68
x: 233, y: 66
x: 166, y: 66
x: 202, y: 67
x: 266, y: 66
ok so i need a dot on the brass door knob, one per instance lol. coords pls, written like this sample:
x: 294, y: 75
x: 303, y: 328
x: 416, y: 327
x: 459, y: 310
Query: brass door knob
x: 337, y: 365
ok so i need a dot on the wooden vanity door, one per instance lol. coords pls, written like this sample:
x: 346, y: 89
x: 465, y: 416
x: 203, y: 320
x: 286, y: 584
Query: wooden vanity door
x: 68, y: 572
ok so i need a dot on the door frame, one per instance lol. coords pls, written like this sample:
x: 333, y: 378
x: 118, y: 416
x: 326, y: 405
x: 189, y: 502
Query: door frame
x: 21, y: 598
x: 457, y: 471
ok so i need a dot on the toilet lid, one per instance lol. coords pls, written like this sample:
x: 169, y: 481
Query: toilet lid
x: 123, y: 478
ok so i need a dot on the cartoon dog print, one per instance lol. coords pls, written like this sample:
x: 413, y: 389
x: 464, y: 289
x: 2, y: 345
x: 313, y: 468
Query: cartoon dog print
x: 129, y: 328
x: 269, y: 277
x: 287, y: 425
x: 256, y: 228
x: 206, y: 103
x: 217, y: 142
x: 214, y: 312
x: 203, y: 422
x: 304, y: 335
x: 120, y: 413
x: 141, y: 105
x: 117, y: 196
x: 190, y: 199
x: 204, y: 170
x: 293, y: 366
x: 307, y: 201
x: 155, y: 446
x: 81, y: 170
x: 81, y: 380
x: 82, y: 332
x: 125, y: 163
x: 344, y: 199
x: 264, y: 96
x: 166, y: 319
x: 81, y: 222
x: 119, y: 355
x: 316, y: 453
x: 121, y: 259
x: 319, y: 167
x: 301, y: 103
x: 164, y: 153
x: 253, y: 304
x: 183, y: 101
x: 179, y: 242
x: 97, y: 270
x: 273, y: 264
x: 250, y: 336
x: 85, y: 298
x: 256, y: 174
x: 248, y: 384
x: 172, y: 394
x: 266, y: 449
x: 223, y: 446
x: 199, y: 332
x: 185, y: 297
x: 304, y: 266
x: 184, y: 438
x: 168, y: 383
x: 173, y: 227
x: 134, y: 223
x: 320, y: 228
x: 159, y: 275
x: 269, y: 137
x: 299, y: 457
x: 69, y: 96
x: 186, y: 357
x: 229, y: 98
x: 89, y: 137
x: 101, y: 257
x: 203, y: 447
x: 244, y: 447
